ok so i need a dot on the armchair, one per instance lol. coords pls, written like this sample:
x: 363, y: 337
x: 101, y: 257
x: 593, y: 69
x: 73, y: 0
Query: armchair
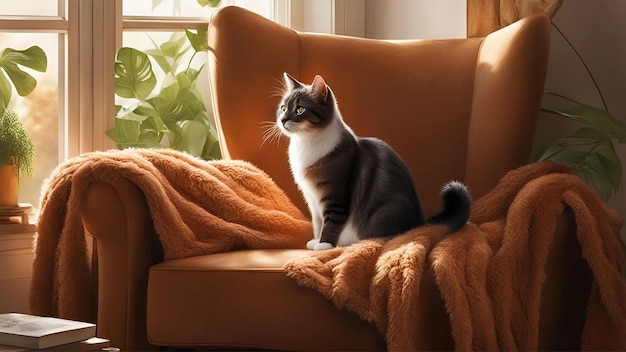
x: 453, y: 109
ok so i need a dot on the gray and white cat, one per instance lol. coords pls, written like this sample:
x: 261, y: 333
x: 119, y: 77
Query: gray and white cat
x: 355, y: 187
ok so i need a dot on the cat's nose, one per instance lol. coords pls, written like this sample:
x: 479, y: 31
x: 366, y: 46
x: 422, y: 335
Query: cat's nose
x: 283, y: 120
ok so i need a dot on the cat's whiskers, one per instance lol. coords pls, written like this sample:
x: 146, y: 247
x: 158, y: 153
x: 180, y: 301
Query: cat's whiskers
x: 271, y: 133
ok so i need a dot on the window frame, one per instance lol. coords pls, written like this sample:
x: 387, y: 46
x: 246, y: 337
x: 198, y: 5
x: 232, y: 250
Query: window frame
x: 86, y: 77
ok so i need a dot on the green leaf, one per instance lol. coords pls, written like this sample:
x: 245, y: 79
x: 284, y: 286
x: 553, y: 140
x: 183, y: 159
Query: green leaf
x: 192, y: 137
x: 33, y: 58
x: 23, y: 82
x: 593, y: 117
x: 125, y: 133
x: 134, y: 77
x: 159, y: 57
x: 198, y: 40
x: 149, y: 111
x: 591, y: 154
x: 5, y: 93
x: 130, y: 132
x: 583, y: 137
x: 174, y: 49
x: 11, y: 60
x: 612, y: 164
x: 211, y: 3
x: 212, y: 149
x: 184, y: 79
x: 192, y: 103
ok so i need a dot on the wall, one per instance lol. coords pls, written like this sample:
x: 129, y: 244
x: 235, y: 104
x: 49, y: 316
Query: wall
x: 596, y: 28
x: 414, y: 19
x: 598, y: 31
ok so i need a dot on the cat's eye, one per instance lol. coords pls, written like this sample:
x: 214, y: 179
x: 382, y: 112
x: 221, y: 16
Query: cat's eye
x: 300, y: 110
x: 283, y: 108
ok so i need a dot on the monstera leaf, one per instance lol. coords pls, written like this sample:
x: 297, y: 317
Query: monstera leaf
x: 133, y: 74
x: 11, y: 61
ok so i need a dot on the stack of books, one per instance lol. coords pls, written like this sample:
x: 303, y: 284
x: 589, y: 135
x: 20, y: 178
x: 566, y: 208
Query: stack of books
x: 15, y: 215
x: 16, y: 220
x: 25, y: 332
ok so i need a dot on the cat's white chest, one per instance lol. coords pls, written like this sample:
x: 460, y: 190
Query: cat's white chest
x: 300, y: 160
x: 305, y: 151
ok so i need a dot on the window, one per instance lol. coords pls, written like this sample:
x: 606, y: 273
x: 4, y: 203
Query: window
x: 74, y: 105
x: 43, y: 25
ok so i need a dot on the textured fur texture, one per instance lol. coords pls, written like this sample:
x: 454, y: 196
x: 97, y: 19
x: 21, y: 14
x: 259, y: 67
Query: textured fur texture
x: 490, y: 273
x: 193, y: 204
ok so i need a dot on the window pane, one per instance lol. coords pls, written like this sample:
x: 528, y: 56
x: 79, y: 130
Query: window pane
x: 39, y: 111
x: 169, y: 8
x: 263, y: 8
x: 29, y: 8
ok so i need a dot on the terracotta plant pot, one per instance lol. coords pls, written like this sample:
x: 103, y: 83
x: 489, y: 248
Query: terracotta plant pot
x: 8, y: 186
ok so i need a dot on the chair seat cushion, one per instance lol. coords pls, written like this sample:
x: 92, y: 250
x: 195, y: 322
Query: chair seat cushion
x: 244, y: 299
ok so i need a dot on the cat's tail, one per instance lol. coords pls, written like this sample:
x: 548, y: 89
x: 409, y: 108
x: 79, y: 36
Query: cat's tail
x: 456, y: 206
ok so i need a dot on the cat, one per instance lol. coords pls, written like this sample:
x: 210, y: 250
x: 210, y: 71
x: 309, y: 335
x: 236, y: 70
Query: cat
x: 355, y: 187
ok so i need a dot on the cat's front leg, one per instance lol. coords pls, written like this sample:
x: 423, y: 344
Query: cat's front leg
x: 316, y: 218
x: 335, y: 219
x: 317, y: 232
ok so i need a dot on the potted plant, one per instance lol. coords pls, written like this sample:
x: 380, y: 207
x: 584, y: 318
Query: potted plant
x: 16, y: 149
x: 175, y: 110
x: 590, y: 150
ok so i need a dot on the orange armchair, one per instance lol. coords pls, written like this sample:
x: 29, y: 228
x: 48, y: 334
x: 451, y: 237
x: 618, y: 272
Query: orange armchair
x: 453, y: 109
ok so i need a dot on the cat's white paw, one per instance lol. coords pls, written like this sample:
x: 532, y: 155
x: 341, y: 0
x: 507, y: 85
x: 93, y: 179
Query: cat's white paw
x: 312, y: 243
x: 322, y: 246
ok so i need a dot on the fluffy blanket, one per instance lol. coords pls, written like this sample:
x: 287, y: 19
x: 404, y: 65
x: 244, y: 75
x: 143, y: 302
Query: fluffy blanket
x: 192, y: 204
x: 490, y: 273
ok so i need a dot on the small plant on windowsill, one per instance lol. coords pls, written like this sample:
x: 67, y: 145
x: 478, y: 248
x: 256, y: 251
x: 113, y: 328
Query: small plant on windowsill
x: 16, y: 149
x: 590, y: 149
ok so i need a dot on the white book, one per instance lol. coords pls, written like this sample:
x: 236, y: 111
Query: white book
x: 93, y: 344
x: 30, y: 331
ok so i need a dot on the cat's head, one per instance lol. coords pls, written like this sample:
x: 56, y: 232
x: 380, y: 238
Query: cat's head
x: 305, y: 109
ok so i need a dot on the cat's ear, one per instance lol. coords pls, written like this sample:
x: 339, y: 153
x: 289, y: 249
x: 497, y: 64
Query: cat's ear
x: 319, y: 88
x: 291, y: 82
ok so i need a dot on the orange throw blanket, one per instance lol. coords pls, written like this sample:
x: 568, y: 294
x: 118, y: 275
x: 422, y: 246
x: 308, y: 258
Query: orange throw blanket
x: 490, y: 273
x: 193, y: 203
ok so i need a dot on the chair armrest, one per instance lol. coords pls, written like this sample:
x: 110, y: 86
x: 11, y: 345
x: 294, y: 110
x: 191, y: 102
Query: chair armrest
x: 126, y: 246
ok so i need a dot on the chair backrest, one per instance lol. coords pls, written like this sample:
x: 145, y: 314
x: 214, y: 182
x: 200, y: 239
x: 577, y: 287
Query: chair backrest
x: 461, y: 109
